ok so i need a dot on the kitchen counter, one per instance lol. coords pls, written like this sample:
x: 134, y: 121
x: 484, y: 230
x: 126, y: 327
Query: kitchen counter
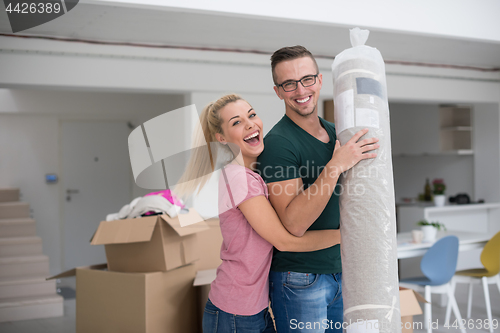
x: 467, y: 241
x: 468, y: 217
x: 467, y: 220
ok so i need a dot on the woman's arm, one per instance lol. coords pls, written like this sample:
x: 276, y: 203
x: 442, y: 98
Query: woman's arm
x: 264, y: 220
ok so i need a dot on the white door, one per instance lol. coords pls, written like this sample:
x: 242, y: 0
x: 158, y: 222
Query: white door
x: 96, y: 180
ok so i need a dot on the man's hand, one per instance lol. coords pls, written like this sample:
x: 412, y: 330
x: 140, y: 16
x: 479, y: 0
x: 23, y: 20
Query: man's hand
x: 298, y: 209
x: 346, y: 156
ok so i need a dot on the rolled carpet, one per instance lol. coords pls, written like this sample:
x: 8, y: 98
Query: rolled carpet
x: 370, y: 284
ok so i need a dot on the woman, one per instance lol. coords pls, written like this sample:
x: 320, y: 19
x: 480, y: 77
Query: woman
x: 238, y: 299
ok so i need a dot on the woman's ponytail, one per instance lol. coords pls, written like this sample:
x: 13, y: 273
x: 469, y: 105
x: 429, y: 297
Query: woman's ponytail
x: 206, y: 148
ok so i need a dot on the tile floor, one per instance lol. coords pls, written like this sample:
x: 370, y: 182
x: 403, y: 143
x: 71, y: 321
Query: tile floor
x: 66, y: 324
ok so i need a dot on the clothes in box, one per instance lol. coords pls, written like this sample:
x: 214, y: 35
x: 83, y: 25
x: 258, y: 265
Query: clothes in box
x: 149, y: 244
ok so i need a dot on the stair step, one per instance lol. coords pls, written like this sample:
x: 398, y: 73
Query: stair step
x: 20, y: 246
x: 23, y: 308
x: 12, y: 267
x: 26, y: 286
x: 9, y: 194
x: 14, y: 209
x: 19, y: 227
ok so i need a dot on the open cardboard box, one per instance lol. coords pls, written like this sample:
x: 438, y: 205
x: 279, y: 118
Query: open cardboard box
x: 149, y: 244
x: 110, y: 302
x: 408, y: 300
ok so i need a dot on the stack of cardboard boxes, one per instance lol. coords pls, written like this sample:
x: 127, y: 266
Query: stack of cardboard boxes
x: 148, y: 284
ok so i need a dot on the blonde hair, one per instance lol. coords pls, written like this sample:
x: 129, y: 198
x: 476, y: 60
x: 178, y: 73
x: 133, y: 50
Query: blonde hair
x: 206, y: 148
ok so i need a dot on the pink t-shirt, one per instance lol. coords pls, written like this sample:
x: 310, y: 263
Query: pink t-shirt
x: 241, y: 286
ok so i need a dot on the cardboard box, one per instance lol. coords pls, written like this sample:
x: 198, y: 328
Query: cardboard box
x: 115, y: 302
x: 149, y: 244
x: 202, y: 283
x: 210, y: 242
x: 408, y: 300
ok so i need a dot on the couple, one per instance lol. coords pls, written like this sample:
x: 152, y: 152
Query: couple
x: 281, y: 241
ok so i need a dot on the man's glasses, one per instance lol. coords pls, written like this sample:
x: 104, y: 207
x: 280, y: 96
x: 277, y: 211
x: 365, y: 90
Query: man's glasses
x: 292, y: 85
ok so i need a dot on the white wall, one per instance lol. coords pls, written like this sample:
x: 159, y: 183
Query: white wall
x: 471, y: 19
x: 415, y: 133
x: 134, y: 74
x: 30, y: 145
x: 410, y: 173
x: 486, y: 151
x: 93, y: 83
x: 29, y: 149
x: 487, y: 158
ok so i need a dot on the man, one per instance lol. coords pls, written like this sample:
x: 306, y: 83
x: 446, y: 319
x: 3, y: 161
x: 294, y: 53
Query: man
x: 301, y: 163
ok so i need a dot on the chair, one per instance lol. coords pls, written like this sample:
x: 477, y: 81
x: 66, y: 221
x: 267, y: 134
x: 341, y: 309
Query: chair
x: 490, y: 258
x: 438, y: 265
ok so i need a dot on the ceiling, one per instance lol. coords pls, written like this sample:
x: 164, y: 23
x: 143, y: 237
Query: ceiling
x: 173, y: 27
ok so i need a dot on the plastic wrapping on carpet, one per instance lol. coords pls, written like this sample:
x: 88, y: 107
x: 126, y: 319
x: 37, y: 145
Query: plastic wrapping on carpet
x: 367, y: 206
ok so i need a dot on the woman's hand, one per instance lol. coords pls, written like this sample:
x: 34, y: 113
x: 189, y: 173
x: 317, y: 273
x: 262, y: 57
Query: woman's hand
x: 264, y: 220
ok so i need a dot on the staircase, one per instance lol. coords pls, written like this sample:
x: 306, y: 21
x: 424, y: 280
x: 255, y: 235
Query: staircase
x: 24, y: 293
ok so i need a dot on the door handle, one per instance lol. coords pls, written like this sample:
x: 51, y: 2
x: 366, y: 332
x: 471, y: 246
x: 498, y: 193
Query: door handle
x: 69, y: 192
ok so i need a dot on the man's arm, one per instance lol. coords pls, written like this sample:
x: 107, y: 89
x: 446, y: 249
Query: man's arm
x: 297, y: 208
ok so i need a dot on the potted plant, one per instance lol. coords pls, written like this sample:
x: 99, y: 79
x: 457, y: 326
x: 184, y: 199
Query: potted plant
x: 430, y: 229
x: 439, y: 188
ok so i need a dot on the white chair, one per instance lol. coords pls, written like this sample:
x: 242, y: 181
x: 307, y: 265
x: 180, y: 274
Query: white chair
x: 490, y: 258
x: 438, y: 265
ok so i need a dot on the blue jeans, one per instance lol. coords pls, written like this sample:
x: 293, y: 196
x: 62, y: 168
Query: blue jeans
x: 309, y: 303
x: 217, y: 321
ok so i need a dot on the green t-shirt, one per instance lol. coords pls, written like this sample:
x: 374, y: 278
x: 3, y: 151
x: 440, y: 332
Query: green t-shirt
x: 289, y: 153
